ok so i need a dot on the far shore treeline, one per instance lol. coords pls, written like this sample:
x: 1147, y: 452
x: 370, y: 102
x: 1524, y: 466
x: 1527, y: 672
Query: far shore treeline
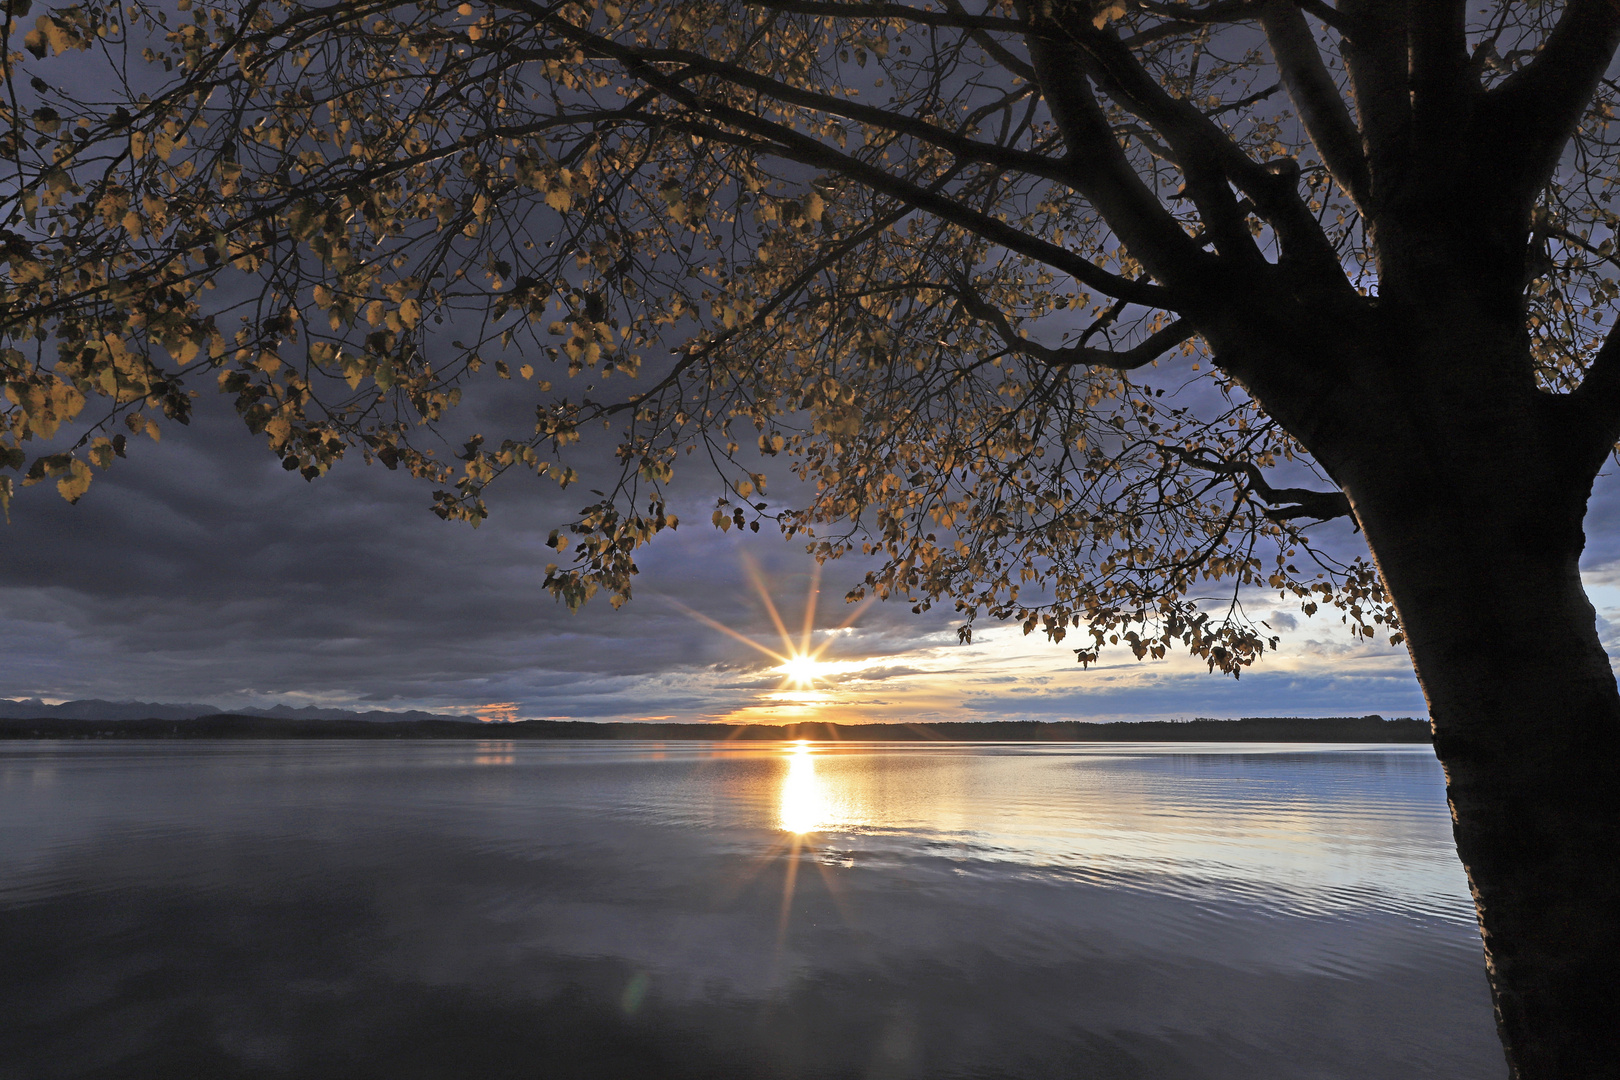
x: 1357, y: 729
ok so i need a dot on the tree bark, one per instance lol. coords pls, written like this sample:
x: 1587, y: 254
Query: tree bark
x: 1524, y: 711
x: 1472, y: 501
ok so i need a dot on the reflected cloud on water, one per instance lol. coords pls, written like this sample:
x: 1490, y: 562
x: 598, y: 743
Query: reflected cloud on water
x: 775, y: 911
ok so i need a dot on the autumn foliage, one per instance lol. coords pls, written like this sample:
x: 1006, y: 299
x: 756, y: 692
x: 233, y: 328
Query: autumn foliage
x: 839, y: 241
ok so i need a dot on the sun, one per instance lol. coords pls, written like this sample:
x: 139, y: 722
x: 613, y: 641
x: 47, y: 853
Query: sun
x: 799, y: 664
x: 802, y: 671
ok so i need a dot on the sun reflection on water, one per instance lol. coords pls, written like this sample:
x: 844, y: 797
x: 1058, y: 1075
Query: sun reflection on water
x: 495, y: 753
x: 804, y: 805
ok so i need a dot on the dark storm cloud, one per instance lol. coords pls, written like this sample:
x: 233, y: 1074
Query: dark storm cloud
x: 200, y: 569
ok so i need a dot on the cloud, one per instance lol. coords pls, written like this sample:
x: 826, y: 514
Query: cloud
x: 200, y: 570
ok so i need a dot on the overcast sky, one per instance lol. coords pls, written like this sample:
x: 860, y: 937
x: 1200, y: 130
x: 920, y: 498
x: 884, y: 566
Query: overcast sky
x: 200, y: 571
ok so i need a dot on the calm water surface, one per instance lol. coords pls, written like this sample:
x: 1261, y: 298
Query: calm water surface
x: 560, y: 910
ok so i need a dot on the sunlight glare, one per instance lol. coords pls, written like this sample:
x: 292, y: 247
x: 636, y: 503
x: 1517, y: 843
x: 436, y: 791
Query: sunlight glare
x: 799, y: 664
x: 803, y: 805
x: 802, y: 670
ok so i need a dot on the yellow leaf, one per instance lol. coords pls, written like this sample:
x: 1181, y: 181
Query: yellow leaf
x: 76, y: 482
x: 60, y: 37
x: 279, y: 429
x: 165, y: 144
x: 559, y: 200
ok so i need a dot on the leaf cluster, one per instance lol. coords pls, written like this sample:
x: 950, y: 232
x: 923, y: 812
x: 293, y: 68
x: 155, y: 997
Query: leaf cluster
x: 900, y: 254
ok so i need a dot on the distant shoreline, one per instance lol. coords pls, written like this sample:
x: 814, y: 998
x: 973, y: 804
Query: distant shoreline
x: 1354, y: 729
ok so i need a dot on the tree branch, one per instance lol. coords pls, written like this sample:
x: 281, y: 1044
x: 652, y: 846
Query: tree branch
x: 954, y: 19
x: 1375, y: 55
x: 1598, y: 397
x: 1121, y: 75
x: 1330, y: 15
x: 1003, y: 56
x: 781, y: 140
x: 1195, y: 137
x: 1303, y: 502
x: 1530, y: 117
x: 1131, y: 209
x: 1081, y: 355
x: 1440, y: 80
x: 959, y: 146
x: 1222, y: 11
x: 1326, y: 117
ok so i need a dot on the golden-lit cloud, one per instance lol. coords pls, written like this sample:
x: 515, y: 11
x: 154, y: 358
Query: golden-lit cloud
x: 1004, y: 674
x: 808, y: 683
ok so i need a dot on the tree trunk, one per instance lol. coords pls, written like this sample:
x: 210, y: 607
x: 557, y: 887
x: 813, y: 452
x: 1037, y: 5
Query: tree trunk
x: 1524, y: 710
x: 1473, y: 509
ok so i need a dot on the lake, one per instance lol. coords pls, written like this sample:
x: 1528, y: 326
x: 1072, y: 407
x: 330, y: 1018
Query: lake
x: 558, y: 910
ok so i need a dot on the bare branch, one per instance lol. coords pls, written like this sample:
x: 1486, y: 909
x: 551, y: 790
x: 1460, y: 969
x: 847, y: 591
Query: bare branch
x: 1529, y: 118
x: 1125, y: 202
x: 1302, y: 502
x: 955, y: 18
x: 1223, y: 11
x: 1000, y: 52
x: 1375, y: 55
x: 1330, y: 15
x: 1081, y: 355
x: 1314, y: 94
x: 1196, y: 138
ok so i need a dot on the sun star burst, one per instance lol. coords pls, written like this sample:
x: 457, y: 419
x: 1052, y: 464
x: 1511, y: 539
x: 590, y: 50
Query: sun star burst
x: 800, y: 665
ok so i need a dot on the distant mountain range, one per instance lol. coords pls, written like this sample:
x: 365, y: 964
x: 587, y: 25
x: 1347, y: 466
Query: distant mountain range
x: 94, y: 709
